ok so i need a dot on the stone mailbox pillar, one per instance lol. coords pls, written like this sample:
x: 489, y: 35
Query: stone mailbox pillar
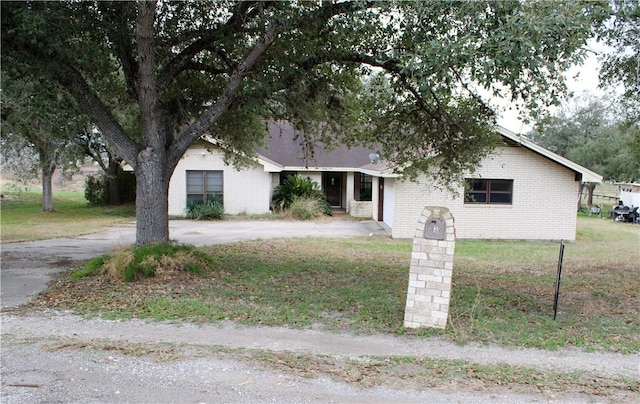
x: 429, y: 289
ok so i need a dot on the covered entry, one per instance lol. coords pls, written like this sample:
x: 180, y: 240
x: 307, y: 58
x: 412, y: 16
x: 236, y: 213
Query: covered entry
x: 333, y: 185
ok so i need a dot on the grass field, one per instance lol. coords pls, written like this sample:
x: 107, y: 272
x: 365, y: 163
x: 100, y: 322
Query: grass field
x: 502, y: 293
x: 22, y: 218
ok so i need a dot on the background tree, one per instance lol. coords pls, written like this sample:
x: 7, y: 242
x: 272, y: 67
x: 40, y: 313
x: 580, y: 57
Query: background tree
x: 18, y: 157
x: 594, y: 133
x: 622, y: 64
x: 98, y: 150
x: 38, y: 119
x: 187, y: 68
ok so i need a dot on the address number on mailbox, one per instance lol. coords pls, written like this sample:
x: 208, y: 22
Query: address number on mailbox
x: 435, y: 229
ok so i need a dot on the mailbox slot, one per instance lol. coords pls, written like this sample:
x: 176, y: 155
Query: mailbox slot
x: 435, y: 229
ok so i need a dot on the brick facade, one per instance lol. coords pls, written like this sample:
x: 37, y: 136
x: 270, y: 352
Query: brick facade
x: 245, y: 191
x: 543, y: 205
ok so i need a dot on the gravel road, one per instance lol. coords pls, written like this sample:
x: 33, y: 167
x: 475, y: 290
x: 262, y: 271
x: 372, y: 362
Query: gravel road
x: 36, y: 367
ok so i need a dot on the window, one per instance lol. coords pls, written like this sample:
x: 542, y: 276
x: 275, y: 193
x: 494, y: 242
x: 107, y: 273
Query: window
x: 363, y: 187
x: 488, y: 191
x: 285, y: 174
x: 203, y: 186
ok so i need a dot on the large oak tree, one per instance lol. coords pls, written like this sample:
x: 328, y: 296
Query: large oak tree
x: 188, y: 68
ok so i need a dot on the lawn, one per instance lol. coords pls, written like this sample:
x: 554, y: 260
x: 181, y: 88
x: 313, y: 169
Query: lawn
x: 502, y: 291
x: 22, y: 218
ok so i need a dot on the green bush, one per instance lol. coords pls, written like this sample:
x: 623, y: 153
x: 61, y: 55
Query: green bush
x: 96, y: 190
x: 297, y: 187
x: 212, y: 209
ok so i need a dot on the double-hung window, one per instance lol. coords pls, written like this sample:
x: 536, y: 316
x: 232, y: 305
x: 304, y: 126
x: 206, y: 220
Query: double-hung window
x: 363, y: 187
x: 488, y: 191
x: 204, y: 186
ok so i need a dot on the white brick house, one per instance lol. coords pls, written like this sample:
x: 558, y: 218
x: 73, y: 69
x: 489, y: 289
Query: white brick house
x: 522, y: 191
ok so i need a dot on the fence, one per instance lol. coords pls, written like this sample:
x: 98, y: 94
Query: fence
x: 606, y: 198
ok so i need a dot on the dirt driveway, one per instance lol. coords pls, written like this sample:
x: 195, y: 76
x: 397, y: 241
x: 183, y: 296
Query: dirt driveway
x: 60, y: 357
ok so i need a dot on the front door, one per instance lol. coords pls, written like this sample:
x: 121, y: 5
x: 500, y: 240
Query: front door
x: 380, y: 199
x: 333, y: 188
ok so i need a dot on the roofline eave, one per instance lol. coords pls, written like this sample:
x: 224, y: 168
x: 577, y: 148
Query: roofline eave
x: 586, y: 174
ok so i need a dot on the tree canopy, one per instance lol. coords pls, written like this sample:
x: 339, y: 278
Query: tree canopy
x: 622, y: 64
x: 593, y: 132
x: 414, y: 78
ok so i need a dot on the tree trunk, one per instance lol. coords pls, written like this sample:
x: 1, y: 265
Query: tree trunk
x: 580, y: 189
x: 152, y: 172
x: 152, y: 199
x: 591, y: 186
x: 48, y: 167
x: 47, y: 189
x: 114, y: 182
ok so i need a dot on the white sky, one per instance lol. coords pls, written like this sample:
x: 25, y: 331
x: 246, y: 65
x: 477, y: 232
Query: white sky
x: 587, y: 81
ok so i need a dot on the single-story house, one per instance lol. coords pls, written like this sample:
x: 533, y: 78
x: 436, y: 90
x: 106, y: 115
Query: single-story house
x: 522, y: 191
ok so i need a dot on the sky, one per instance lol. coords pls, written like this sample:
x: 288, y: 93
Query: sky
x: 587, y: 81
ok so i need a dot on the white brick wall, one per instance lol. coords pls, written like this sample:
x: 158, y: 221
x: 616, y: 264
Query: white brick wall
x: 245, y: 191
x: 543, y: 208
x: 389, y: 205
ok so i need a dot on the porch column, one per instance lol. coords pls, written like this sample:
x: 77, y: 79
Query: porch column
x: 375, y: 191
x: 349, y: 192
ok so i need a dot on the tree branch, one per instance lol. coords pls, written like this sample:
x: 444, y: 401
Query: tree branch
x: 195, y: 130
x: 117, y: 16
x: 242, y: 13
x: 93, y: 106
x: 203, y: 67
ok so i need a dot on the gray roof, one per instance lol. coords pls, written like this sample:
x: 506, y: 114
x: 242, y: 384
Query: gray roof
x: 285, y: 149
x: 284, y: 152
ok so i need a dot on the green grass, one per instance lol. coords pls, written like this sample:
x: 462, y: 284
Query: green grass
x: 22, y: 218
x: 92, y: 267
x: 502, y: 291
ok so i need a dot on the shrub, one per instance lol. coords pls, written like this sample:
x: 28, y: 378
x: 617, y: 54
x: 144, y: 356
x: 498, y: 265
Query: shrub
x: 212, y: 209
x: 136, y: 263
x: 96, y: 190
x: 297, y: 187
x: 127, y: 181
x: 306, y: 208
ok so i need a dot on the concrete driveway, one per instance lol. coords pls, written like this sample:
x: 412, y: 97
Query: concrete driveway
x: 26, y: 268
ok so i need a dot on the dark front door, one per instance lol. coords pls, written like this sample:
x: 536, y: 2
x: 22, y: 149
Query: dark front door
x: 380, y: 199
x: 333, y: 188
